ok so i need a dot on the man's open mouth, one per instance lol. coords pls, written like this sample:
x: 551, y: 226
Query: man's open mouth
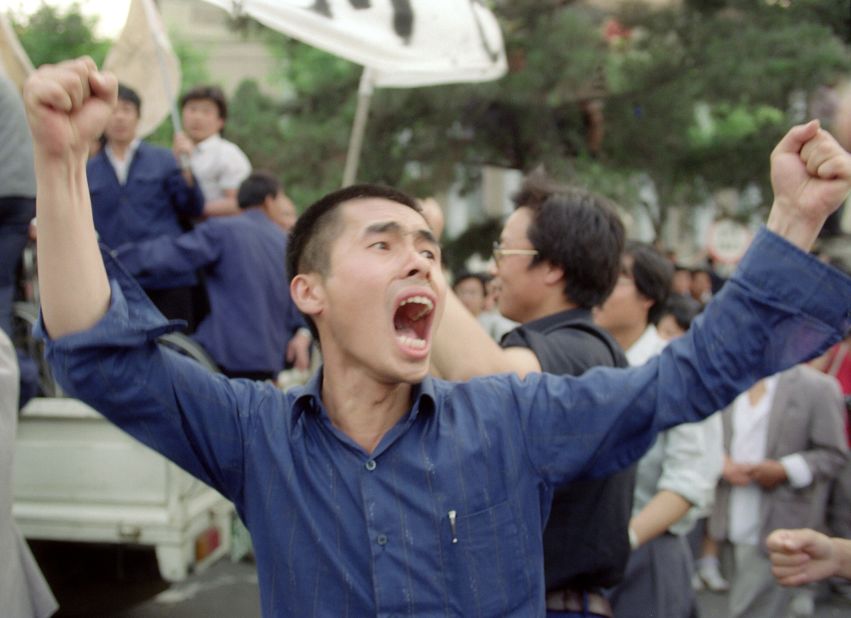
x: 412, y: 321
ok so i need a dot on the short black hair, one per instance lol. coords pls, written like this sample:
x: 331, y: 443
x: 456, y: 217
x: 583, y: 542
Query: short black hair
x: 652, y: 273
x: 684, y: 309
x: 207, y: 93
x: 577, y: 231
x: 126, y: 93
x: 463, y: 275
x: 256, y: 188
x: 309, y: 246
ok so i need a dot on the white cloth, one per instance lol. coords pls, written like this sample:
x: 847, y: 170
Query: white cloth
x: 218, y: 165
x: 748, y: 445
x: 646, y: 347
x: 496, y: 324
x: 122, y: 166
x: 404, y: 44
x: 686, y: 460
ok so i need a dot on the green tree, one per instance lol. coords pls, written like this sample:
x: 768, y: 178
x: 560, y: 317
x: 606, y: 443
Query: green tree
x: 52, y: 34
x: 693, y: 97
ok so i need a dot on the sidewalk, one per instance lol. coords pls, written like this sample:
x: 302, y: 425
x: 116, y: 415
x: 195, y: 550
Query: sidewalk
x: 714, y: 605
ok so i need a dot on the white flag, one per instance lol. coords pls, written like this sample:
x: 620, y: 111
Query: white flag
x: 143, y: 59
x: 405, y: 43
x: 14, y: 62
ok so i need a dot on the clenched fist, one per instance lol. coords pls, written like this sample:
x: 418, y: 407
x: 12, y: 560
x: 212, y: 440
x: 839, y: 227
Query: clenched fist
x: 68, y: 105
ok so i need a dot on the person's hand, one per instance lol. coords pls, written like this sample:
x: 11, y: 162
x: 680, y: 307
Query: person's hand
x: 298, y: 350
x: 68, y: 105
x: 181, y: 145
x: 811, y: 177
x: 737, y: 474
x: 768, y: 474
x: 801, y: 556
x: 433, y: 214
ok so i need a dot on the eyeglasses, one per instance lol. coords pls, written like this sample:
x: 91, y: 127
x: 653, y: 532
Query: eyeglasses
x: 499, y: 252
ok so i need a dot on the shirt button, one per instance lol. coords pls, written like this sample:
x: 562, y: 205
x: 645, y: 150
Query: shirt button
x: 370, y: 465
x: 382, y: 539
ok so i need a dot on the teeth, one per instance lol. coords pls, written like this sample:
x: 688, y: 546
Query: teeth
x: 428, y: 306
x: 413, y: 342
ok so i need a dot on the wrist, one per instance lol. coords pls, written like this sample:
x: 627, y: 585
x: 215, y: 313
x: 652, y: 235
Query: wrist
x: 800, y: 232
x: 842, y: 551
x: 634, y: 543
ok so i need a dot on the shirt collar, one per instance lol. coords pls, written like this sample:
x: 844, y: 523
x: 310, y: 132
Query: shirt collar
x: 208, y: 143
x: 131, y: 150
x: 645, y: 347
x: 556, y: 320
x: 309, y: 399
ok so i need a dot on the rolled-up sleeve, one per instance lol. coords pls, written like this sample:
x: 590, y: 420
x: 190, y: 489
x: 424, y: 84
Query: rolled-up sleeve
x: 781, y: 308
x: 691, y: 467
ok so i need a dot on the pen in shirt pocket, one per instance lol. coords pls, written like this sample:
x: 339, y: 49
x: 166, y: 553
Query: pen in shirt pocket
x: 452, y: 517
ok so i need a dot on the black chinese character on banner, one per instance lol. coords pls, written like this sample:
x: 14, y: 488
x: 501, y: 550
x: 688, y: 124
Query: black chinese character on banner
x: 403, y: 14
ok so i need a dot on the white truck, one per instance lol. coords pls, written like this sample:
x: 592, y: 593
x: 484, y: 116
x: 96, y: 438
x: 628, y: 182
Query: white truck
x: 80, y: 478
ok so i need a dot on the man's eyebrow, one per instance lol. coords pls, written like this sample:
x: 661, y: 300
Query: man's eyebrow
x: 426, y: 235
x: 383, y: 228
x: 392, y: 227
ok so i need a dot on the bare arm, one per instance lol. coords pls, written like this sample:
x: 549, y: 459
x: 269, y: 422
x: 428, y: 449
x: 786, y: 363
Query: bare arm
x: 664, y: 510
x: 224, y: 206
x: 811, y: 177
x: 67, y: 106
x: 462, y: 349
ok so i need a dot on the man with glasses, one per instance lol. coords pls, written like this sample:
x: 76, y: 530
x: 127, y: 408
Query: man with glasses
x: 558, y: 257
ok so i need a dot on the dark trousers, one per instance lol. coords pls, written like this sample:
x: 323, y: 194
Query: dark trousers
x: 15, y: 215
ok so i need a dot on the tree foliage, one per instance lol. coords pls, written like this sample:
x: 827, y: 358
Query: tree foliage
x: 51, y: 35
x: 693, y: 98
x: 688, y: 98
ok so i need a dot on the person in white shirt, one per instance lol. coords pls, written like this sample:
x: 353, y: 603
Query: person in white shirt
x: 676, y: 478
x: 785, y: 441
x: 218, y: 165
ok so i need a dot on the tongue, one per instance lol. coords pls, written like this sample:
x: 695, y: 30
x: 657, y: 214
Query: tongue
x: 405, y: 330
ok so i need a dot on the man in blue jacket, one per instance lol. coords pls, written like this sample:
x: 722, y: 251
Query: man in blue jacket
x: 253, y: 328
x: 377, y: 490
x: 139, y: 192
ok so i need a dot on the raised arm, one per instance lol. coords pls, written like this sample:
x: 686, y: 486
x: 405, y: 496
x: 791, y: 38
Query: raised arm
x: 811, y: 177
x: 462, y: 349
x: 68, y: 105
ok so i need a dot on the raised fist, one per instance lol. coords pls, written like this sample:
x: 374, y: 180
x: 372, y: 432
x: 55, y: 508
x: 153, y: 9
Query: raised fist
x: 68, y: 105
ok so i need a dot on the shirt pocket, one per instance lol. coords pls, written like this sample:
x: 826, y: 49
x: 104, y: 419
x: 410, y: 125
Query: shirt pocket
x: 487, y: 564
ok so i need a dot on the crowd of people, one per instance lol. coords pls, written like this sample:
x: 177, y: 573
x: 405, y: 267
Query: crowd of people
x: 538, y: 440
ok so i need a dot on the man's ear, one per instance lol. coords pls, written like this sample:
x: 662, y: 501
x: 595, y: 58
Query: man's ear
x: 554, y: 275
x: 308, y: 293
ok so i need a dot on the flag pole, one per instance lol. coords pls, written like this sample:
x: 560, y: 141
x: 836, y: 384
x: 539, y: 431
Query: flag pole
x: 150, y: 13
x: 365, y: 90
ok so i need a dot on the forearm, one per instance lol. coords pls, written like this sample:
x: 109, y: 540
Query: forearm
x: 842, y: 547
x: 662, y: 511
x: 72, y: 279
x: 222, y: 207
x: 462, y: 349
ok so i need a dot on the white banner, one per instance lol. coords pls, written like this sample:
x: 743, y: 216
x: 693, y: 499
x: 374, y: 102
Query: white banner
x: 405, y: 43
x: 14, y: 62
x: 143, y: 59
